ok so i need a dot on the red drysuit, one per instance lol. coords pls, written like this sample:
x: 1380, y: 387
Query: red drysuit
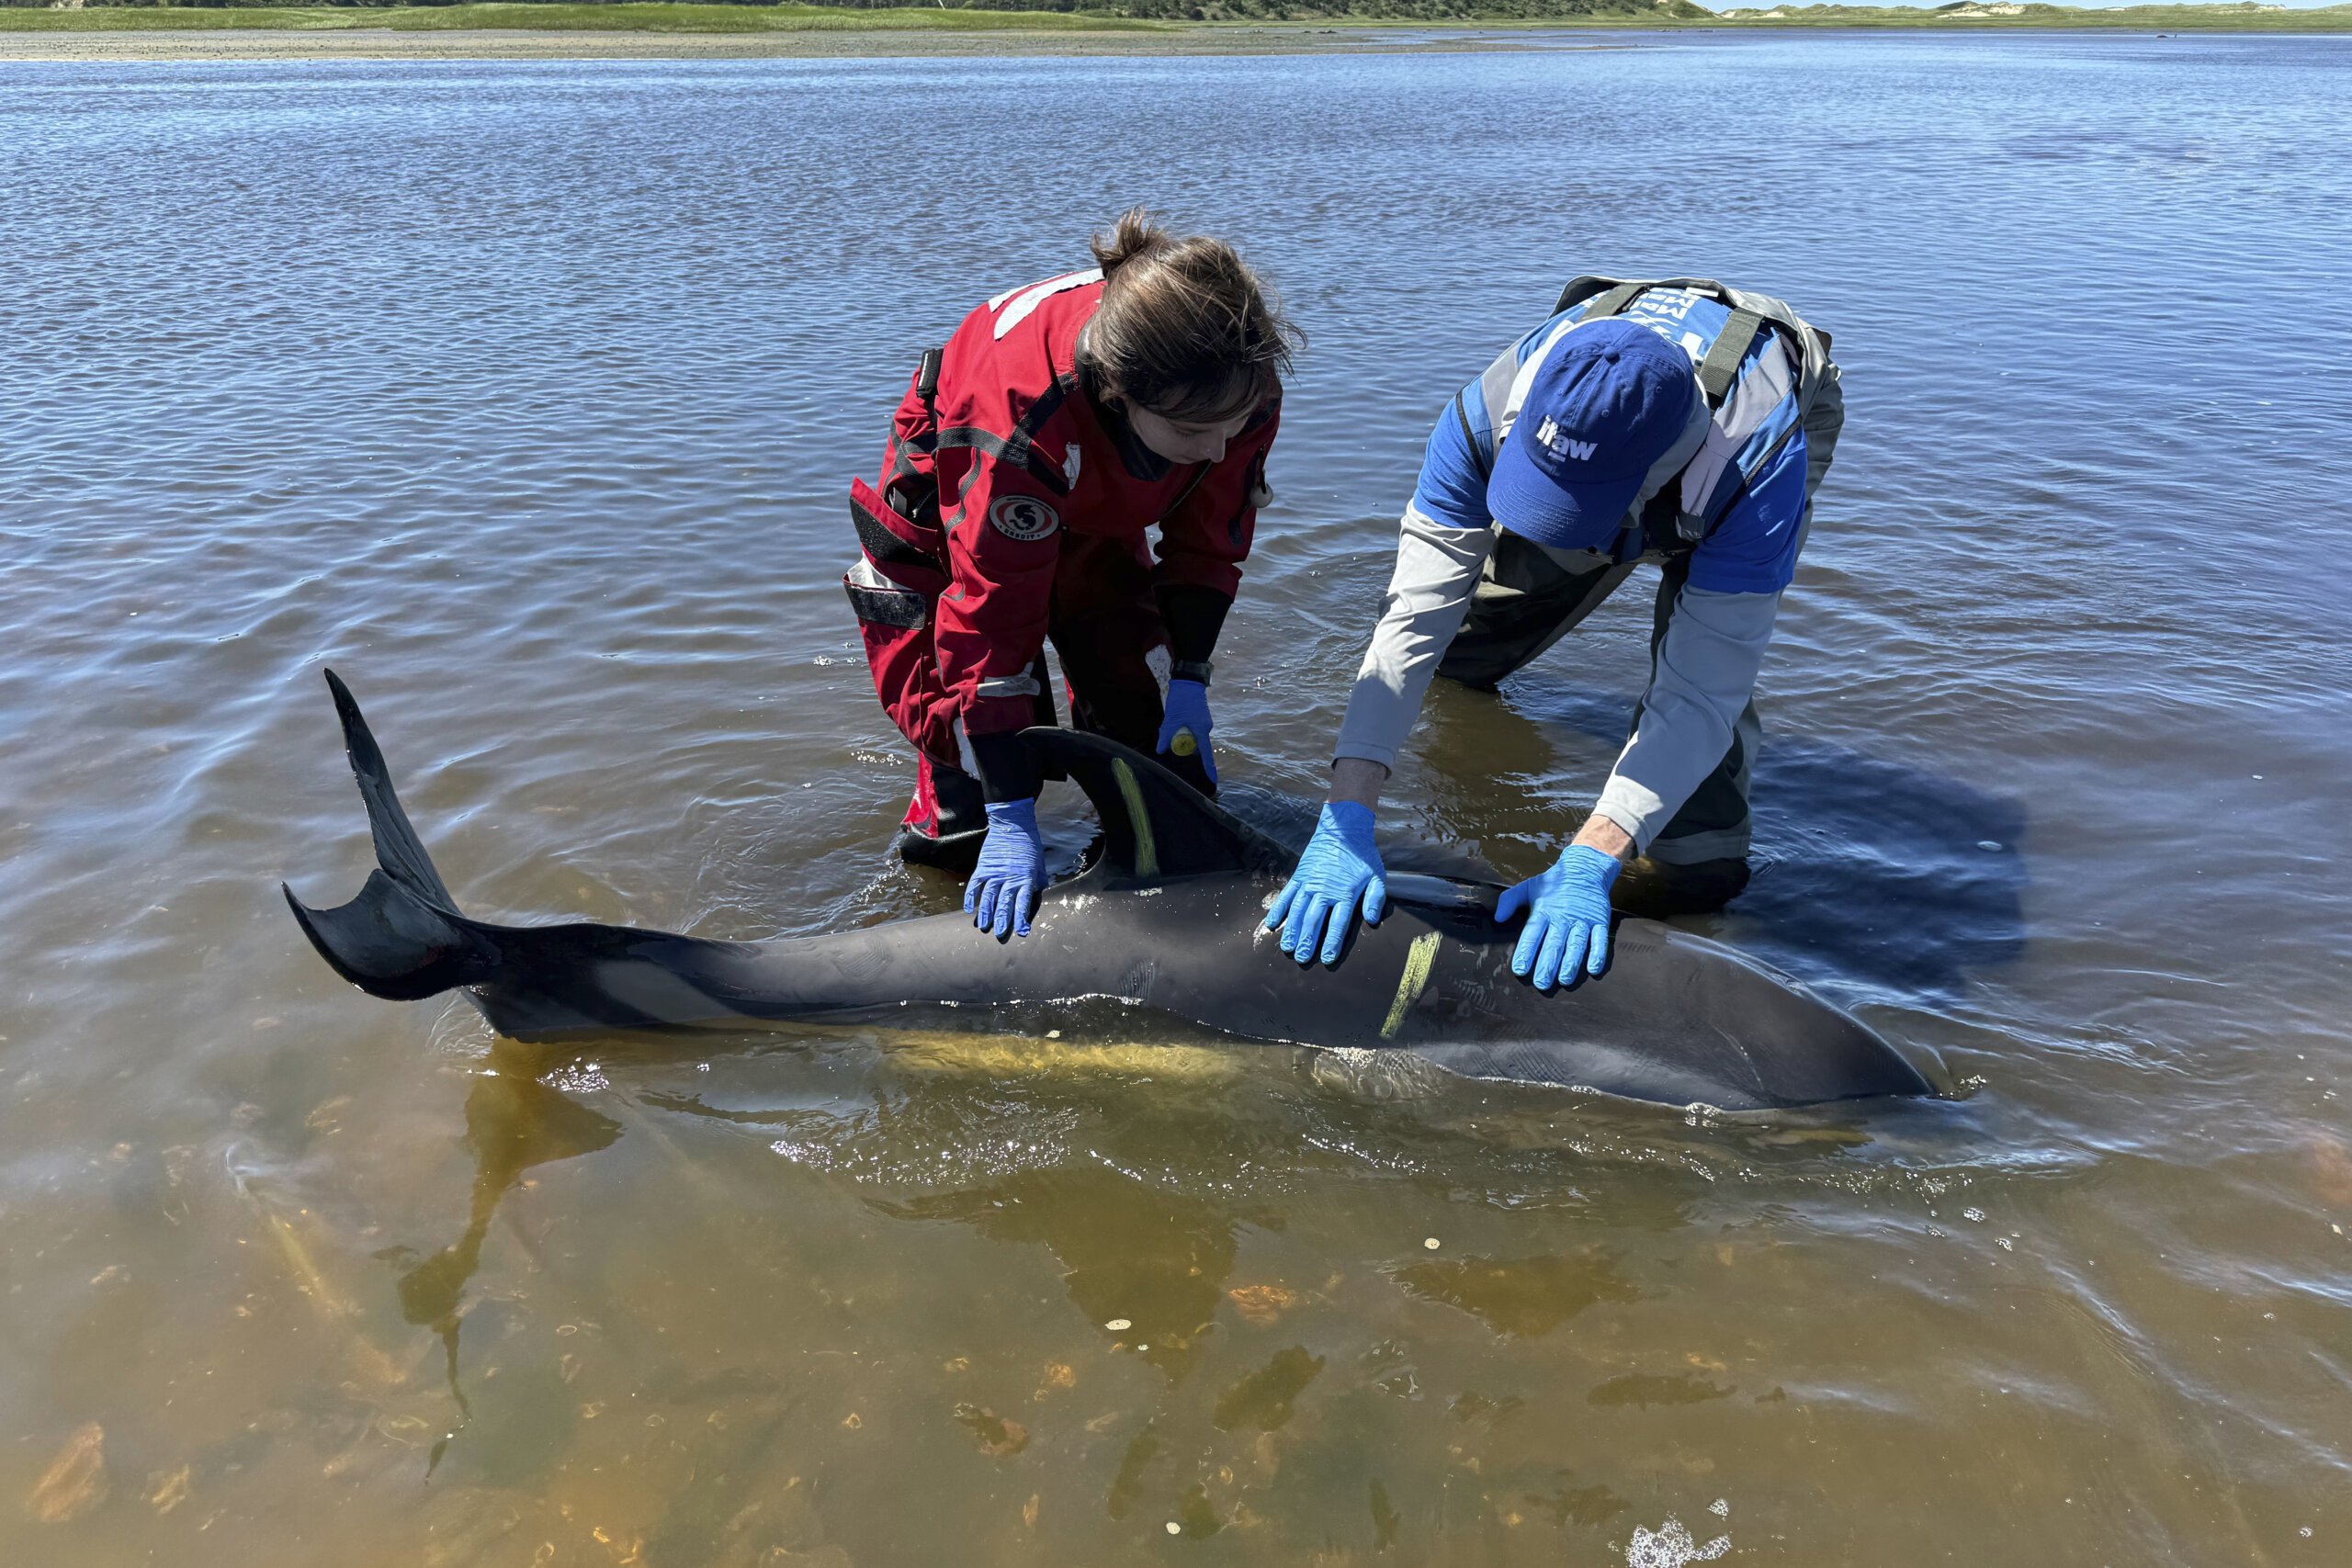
x: 1012, y: 509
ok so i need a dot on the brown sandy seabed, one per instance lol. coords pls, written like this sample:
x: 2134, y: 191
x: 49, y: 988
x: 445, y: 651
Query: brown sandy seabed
x: 366, y: 44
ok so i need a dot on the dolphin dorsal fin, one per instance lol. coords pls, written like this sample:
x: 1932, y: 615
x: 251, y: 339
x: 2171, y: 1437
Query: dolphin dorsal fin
x: 1154, y: 824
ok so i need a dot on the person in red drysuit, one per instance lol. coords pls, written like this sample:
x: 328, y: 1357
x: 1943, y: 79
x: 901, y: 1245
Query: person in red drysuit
x: 1025, y: 464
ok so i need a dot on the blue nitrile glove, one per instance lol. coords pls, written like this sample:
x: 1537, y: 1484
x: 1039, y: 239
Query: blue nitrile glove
x: 1568, y: 917
x: 1011, y: 871
x: 1339, y: 873
x: 1186, y: 729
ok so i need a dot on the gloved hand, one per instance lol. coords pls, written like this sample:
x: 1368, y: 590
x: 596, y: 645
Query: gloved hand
x: 1339, y: 873
x: 1186, y: 729
x: 1568, y: 917
x: 1012, y: 870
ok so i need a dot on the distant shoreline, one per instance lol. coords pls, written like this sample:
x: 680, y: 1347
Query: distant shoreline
x: 720, y: 32
x: 378, y: 43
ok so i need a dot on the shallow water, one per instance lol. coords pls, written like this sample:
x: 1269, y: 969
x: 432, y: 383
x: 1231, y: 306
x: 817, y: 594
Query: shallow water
x: 525, y: 395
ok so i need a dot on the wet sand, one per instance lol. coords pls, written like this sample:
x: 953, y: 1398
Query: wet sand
x: 379, y: 43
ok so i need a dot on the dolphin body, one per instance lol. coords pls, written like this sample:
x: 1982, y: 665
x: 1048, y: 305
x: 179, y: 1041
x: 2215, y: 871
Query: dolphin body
x: 1167, y: 916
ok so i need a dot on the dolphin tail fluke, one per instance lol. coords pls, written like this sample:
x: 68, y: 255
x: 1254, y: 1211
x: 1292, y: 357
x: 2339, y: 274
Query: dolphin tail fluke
x: 391, y: 944
x: 402, y: 938
x: 398, y: 848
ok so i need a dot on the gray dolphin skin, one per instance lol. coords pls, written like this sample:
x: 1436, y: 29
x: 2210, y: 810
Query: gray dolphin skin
x: 1169, y: 917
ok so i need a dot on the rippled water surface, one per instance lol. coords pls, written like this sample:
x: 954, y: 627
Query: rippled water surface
x: 525, y: 396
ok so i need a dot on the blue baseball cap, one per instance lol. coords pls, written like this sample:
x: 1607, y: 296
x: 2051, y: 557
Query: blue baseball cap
x: 1604, y: 405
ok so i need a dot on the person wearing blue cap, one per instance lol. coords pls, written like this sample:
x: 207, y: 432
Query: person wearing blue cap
x: 1676, y: 422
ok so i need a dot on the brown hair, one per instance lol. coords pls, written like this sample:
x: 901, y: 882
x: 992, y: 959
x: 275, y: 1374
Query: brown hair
x: 1184, y: 328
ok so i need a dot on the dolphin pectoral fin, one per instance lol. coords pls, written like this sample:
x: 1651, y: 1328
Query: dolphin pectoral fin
x: 1154, y: 824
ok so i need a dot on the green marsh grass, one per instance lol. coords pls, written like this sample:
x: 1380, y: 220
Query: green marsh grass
x: 634, y: 17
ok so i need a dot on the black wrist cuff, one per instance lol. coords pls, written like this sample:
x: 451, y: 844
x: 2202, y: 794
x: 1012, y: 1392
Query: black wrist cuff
x: 1007, y: 770
x: 1193, y: 615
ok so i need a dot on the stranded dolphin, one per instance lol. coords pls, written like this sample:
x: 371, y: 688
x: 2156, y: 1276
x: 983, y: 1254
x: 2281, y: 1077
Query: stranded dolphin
x: 1167, y: 916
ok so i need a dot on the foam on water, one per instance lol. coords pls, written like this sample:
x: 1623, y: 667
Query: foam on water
x: 1671, y: 1545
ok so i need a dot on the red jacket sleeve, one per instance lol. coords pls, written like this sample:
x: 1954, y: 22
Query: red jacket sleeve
x: 1003, y: 542
x: 1204, y: 541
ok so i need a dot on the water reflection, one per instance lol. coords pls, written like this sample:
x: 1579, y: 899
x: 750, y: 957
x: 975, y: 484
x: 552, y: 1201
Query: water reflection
x: 513, y: 1122
x: 1866, y: 870
x: 1267, y: 1398
x: 1522, y: 1296
x: 1645, y: 1389
x: 1267, y: 1414
x: 1147, y: 1267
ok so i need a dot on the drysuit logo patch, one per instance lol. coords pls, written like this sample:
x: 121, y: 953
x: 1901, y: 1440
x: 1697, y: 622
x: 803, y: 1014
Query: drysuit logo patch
x: 1022, y: 517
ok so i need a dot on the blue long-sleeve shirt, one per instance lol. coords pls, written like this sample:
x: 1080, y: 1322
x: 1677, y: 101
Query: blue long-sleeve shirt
x: 1722, y: 621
